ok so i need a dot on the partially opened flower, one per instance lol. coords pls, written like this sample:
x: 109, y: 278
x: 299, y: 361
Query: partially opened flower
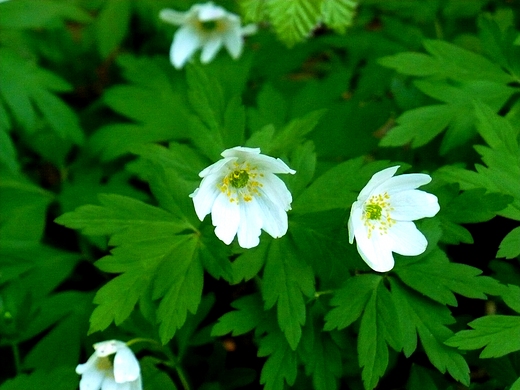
x: 244, y: 196
x: 205, y: 26
x: 381, y: 218
x: 102, y: 372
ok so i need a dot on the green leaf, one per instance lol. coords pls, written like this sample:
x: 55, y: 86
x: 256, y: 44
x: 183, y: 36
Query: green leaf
x: 421, y: 378
x: 293, y: 20
x: 120, y: 214
x: 179, y: 282
x: 427, y: 319
x: 61, y: 378
x: 253, y: 10
x: 286, y: 280
x: 26, y: 87
x: 150, y: 102
x: 281, y: 365
x: 512, y: 297
x: 475, y: 205
x: 293, y: 133
x: 338, y: 14
x: 7, y: 149
x: 446, y: 61
x: 350, y: 301
x: 497, y: 333
x: 419, y: 125
x: 248, y: 264
x: 25, y: 14
x: 379, y: 326
x: 23, y: 208
x: 248, y: 315
x: 338, y: 187
x: 112, y: 25
x: 320, y: 355
x: 438, y: 279
x: 502, y: 160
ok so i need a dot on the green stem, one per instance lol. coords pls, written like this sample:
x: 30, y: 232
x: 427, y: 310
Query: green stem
x: 16, y: 357
x: 178, y: 369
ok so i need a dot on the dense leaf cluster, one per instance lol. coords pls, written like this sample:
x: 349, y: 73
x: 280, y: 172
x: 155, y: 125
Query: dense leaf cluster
x: 99, y: 133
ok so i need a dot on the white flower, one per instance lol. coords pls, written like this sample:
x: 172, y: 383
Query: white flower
x: 380, y: 219
x: 205, y: 26
x: 244, y: 196
x: 99, y: 372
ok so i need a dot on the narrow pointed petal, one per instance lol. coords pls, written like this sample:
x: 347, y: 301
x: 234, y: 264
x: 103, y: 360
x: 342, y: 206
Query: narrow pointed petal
x: 413, y: 204
x: 185, y: 42
x: 406, y: 239
x: 126, y: 366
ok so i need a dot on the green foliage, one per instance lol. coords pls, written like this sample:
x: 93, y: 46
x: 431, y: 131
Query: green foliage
x: 498, y: 334
x: 294, y: 21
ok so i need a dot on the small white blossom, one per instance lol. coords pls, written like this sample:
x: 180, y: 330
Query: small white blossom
x: 380, y: 219
x: 205, y: 26
x: 244, y: 196
x: 100, y: 372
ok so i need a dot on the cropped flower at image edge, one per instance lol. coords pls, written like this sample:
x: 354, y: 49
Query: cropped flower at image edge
x: 100, y: 372
x: 205, y: 26
x: 381, y: 218
x: 244, y: 196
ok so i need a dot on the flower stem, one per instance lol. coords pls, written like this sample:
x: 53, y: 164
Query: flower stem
x: 16, y: 358
x: 178, y: 369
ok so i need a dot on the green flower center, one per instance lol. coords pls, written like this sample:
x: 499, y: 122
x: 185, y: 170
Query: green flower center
x: 239, y: 178
x: 373, y: 211
x: 210, y: 25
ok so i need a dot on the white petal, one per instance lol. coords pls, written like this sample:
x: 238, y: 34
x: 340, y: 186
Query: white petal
x: 91, y: 363
x: 270, y: 164
x: 240, y: 151
x: 174, y: 17
x: 406, y: 239
x: 217, y: 167
x: 249, y: 29
x: 185, y: 42
x: 413, y: 204
x: 375, y: 251
x: 91, y: 380
x: 274, y: 217
x: 233, y: 41
x: 136, y: 385
x: 354, y: 221
x: 108, y: 347
x: 376, y: 180
x: 405, y: 182
x: 274, y: 189
x: 210, y: 49
x: 126, y: 366
x: 250, y: 224
x: 204, y: 196
x: 225, y: 216
x: 208, y: 12
x: 110, y: 384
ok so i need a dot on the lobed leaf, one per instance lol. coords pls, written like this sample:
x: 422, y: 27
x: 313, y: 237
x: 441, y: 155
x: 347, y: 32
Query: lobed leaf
x: 497, y: 333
